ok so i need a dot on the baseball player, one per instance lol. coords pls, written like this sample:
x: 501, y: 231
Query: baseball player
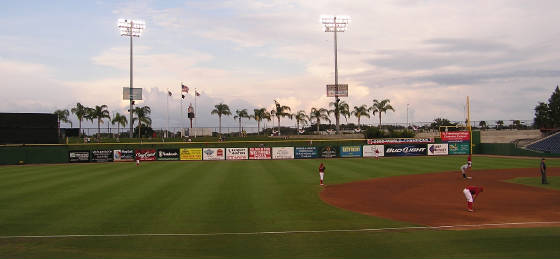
x: 471, y: 192
x: 376, y: 153
x: 137, y: 162
x: 322, y: 173
x: 464, y: 169
x: 469, y: 161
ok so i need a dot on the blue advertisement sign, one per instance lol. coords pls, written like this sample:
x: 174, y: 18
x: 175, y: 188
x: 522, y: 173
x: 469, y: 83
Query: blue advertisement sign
x: 406, y: 150
x: 351, y: 151
x: 306, y: 152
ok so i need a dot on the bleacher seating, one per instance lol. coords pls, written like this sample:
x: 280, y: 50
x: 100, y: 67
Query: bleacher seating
x: 549, y: 144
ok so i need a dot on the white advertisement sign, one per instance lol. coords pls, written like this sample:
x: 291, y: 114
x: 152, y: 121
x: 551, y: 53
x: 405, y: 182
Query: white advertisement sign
x: 438, y: 149
x: 213, y: 154
x: 282, y: 153
x: 370, y: 150
x: 237, y: 153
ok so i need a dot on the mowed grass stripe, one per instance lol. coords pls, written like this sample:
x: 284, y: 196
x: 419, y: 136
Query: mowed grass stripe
x: 58, y: 182
x: 46, y: 208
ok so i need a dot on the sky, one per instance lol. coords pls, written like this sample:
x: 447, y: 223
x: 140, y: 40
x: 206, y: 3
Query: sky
x: 425, y: 56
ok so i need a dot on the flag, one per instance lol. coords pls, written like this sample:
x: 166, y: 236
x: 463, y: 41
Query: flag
x: 196, y: 93
x: 184, y: 88
x: 169, y: 93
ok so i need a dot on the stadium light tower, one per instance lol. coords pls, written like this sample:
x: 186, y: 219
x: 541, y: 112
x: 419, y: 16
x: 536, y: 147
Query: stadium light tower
x: 131, y: 28
x: 335, y: 24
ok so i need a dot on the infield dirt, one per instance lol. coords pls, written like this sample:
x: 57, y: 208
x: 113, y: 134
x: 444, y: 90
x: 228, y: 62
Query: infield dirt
x: 437, y: 199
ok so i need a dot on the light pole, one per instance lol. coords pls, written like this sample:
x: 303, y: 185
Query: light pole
x: 335, y: 24
x: 407, y: 116
x: 131, y: 28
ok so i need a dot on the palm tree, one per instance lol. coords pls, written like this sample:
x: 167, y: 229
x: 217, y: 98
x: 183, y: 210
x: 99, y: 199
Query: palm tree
x: 360, y: 111
x: 343, y: 109
x: 80, y: 111
x: 99, y: 113
x: 381, y: 107
x: 142, y: 116
x: 259, y: 115
x: 499, y: 124
x: 120, y: 120
x: 62, y: 116
x: 240, y: 114
x: 302, y: 117
x: 281, y: 111
x: 221, y: 109
x: 318, y: 115
x: 482, y: 125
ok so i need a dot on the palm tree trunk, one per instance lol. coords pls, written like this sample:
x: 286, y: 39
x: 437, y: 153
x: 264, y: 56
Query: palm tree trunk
x: 359, y: 122
x: 240, y: 126
x: 80, y: 132
x: 98, y: 129
x: 278, y: 124
x: 259, y: 127
x: 139, y: 129
x: 318, y: 122
x: 220, y: 123
x: 379, y: 119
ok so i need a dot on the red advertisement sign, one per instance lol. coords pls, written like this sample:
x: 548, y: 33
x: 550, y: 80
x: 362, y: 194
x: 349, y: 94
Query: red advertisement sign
x: 259, y: 153
x: 455, y: 136
x: 145, y: 154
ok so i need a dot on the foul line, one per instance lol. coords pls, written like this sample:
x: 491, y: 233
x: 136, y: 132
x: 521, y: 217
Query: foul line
x: 285, y: 232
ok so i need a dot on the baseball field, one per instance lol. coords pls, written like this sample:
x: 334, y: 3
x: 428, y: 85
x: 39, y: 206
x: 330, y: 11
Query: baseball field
x: 408, y: 207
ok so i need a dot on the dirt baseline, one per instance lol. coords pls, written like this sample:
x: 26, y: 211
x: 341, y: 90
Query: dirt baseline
x: 437, y: 199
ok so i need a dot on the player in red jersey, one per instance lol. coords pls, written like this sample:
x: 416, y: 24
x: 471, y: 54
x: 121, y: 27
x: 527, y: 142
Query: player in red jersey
x: 471, y: 192
x: 469, y: 161
x: 322, y: 172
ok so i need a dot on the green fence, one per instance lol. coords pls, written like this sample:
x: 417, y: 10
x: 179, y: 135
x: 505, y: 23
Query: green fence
x: 33, y: 155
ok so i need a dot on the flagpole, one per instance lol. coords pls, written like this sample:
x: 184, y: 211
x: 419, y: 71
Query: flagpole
x: 167, y: 108
x: 181, y: 108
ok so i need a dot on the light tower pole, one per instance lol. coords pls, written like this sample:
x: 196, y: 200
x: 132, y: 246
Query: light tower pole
x: 335, y: 24
x: 131, y: 28
x: 407, y: 116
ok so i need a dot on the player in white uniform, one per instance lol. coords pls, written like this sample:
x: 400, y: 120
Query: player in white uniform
x: 464, y: 169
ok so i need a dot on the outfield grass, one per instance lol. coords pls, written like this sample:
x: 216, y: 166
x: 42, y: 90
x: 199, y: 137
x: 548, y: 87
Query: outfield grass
x: 232, y: 196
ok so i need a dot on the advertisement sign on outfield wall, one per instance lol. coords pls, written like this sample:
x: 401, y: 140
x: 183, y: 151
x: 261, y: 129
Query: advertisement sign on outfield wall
x: 101, y: 156
x: 258, y: 153
x: 237, y: 153
x: 328, y: 152
x: 351, y: 151
x: 455, y: 136
x: 369, y: 150
x: 168, y: 154
x: 438, y: 149
x: 282, y: 153
x: 213, y: 154
x: 459, y: 148
x: 305, y: 152
x: 122, y: 155
x: 383, y: 141
x: 78, y: 156
x: 405, y: 150
x: 145, y: 154
x: 191, y: 154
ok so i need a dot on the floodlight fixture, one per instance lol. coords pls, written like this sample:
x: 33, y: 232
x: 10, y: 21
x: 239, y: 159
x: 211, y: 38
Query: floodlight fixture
x: 335, y: 23
x: 131, y: 28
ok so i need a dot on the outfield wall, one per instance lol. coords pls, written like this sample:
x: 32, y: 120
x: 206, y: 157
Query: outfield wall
x: 123, y: 153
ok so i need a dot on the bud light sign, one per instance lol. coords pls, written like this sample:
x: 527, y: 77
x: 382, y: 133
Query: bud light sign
x: 405, y: 150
